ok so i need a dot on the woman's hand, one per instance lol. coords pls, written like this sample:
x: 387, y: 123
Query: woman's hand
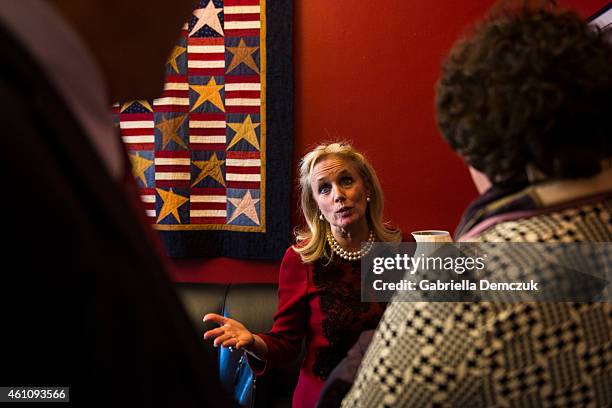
x: 230, y: 333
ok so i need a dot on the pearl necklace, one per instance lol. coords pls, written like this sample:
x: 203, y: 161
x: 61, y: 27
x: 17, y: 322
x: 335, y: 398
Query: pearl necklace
x: 350, y: 255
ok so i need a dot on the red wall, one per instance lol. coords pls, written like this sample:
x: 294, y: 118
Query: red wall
x: 365, y: 71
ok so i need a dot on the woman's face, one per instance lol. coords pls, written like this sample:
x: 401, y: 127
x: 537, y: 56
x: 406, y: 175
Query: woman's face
x: 340, y: 192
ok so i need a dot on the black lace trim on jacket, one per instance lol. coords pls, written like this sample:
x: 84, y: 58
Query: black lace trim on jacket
x: 345, y: 316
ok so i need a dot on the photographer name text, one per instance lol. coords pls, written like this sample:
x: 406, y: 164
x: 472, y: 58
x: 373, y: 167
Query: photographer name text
x: 462, y: 285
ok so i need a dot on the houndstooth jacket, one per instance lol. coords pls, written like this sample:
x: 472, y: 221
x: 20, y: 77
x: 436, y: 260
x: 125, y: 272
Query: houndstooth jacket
x: 497, y: 354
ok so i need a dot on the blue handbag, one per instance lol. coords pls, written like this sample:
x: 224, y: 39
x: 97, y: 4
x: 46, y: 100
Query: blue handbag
x: 244, y: 384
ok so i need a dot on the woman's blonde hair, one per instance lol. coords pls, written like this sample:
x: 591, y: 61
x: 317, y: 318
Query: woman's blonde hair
x: 311, y: 240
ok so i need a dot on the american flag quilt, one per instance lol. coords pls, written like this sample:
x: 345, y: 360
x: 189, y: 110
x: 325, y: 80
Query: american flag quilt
x: 212, y: 155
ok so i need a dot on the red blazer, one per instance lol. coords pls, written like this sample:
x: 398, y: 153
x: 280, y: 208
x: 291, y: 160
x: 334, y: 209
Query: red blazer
x: 320, y: 304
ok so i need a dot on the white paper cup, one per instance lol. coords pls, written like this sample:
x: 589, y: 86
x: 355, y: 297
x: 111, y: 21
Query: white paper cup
x: 431, y: 236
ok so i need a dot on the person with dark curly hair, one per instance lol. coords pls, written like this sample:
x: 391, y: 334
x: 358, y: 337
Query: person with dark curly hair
x: 525, y: 101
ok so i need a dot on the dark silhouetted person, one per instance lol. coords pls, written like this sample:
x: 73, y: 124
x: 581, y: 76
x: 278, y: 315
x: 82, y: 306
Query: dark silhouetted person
x: 86, y: 298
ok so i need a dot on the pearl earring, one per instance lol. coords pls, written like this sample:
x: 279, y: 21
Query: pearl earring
x: 368, y: 199
x: 321, y: 217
